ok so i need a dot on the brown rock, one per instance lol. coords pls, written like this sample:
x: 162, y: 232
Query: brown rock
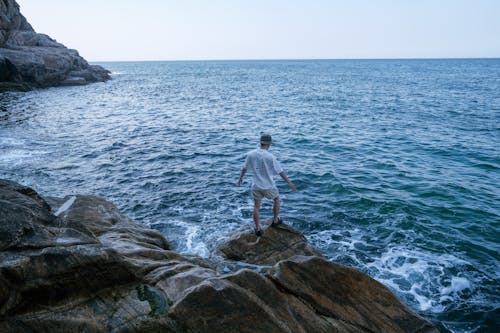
x: 275, y: 244
x: 217, y: 305
x: 65, y: 275
x: 302, y: 294
x: 23, y: 217
x: 347, y: 295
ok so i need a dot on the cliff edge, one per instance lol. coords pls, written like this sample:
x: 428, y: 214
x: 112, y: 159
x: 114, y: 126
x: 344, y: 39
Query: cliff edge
x: 32, y: 60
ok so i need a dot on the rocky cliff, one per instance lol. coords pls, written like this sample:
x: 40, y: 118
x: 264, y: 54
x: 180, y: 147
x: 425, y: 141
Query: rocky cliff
x: 78, y: 265
x: 32, y: 60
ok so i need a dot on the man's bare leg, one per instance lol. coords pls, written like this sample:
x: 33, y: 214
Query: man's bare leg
x: 256, y: 207
x: 276, y: 210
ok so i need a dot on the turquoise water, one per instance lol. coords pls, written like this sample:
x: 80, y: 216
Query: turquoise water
x: 397, y: 162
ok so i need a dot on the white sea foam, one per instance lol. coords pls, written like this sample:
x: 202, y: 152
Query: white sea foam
x: 10, y: 141
x: 427, y: 279
x: 15, y: 151
x: 12, y: 150
x: 192, y: 244
x: 458, y: 284
x: 344, y: 244
x: 429, y: 276
x: 14, y: 155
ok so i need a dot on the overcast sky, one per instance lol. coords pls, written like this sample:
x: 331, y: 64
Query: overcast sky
x: 269, y: 29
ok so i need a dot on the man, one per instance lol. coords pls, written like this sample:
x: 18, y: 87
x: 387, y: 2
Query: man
x: 264, y: 166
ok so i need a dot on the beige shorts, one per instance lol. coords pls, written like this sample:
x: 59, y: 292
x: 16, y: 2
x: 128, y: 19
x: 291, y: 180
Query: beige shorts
x: 269, y: 194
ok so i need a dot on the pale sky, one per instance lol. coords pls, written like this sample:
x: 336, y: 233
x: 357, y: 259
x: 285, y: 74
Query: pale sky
x: 107, y: 30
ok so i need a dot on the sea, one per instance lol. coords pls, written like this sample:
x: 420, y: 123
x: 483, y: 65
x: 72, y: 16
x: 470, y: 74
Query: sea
x: 397, y: 162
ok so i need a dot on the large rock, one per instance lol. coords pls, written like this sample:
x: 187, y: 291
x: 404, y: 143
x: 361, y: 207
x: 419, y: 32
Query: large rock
x: 247, y: 301
x: 79, y: 271
x: 76, y: 264
x: 346, y: 295
x: 277, y: 243
x: 301, y: 294
x: 29, y: 59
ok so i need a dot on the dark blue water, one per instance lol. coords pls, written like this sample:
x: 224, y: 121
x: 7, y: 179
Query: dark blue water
x: 397, y: 162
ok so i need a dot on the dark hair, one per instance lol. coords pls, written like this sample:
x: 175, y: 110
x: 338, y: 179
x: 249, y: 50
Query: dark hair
x: 266, y: 139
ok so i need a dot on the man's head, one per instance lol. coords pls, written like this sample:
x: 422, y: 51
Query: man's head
x: 265, y: 140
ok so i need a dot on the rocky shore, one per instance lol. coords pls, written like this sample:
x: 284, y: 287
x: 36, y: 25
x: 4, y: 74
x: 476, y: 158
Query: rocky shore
x: 32, y: 60
x: 76, y: 264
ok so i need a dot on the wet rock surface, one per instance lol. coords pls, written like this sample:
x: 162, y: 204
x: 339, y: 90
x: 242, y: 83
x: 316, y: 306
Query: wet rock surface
x: 277, y: 243
x: 82, y: 266
x: 33, y: 60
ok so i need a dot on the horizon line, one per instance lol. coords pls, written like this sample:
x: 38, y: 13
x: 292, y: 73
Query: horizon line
x: 299, y: 59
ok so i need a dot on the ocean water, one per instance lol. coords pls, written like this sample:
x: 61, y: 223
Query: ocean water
x: 397, y: 162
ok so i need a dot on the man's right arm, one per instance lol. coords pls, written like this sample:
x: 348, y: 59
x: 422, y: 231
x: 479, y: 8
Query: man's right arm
x: 242, y: 174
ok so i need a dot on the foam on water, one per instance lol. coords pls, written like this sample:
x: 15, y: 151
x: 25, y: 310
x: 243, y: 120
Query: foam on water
x: 458, y: 284
x: 188, y: 240
x: 423, y: 276
x: 13, y: 156
x: 13, y: 150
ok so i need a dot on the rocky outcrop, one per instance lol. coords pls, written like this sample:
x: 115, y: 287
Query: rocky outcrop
x: 29, y: 59
x: 77, y: 264
x: 278, y: 243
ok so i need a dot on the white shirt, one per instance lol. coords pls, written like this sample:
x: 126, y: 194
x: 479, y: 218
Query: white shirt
x: 264, y: 166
